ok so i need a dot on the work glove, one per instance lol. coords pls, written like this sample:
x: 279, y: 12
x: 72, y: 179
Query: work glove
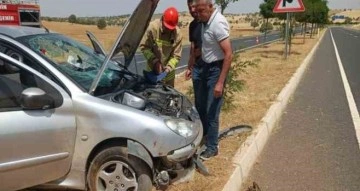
x: 161, y: 76
x: 153, y: 78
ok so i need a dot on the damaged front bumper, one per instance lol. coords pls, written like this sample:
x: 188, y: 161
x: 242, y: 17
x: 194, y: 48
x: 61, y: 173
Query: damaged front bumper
x: 186, y: 152
x: 179, y: 165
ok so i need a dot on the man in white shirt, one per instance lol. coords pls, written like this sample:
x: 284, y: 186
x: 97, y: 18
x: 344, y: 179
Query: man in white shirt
x: 216, y: 61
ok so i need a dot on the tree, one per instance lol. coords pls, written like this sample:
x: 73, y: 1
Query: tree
x: 254, y: 24
x: 266, y: 10
x: 316, y: 13
x: 348, y: 20
x: 266, y: 27
x: 101, y: 24
x: 224, y: 4
x: 72, y: 18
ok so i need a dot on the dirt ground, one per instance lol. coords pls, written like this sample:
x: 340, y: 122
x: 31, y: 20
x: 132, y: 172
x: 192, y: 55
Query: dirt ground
x: 263, y: 84
x: 78, y: 32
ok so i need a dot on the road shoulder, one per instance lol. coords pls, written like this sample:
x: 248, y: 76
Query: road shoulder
x: 254, y: 144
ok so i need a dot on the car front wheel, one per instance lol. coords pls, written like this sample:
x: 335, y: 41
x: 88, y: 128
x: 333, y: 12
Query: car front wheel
x: 111, y: 170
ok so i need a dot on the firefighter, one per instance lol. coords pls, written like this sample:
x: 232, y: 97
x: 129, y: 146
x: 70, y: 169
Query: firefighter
x: 162, y: 47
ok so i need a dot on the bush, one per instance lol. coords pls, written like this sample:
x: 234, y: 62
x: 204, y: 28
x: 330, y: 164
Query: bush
x: 72, y: 19
x: 190, y: 93
x: 233, y: 83
x: 348, y: 20
x: 180, y: 24
x: 264, y: 28
x: 254, y: 24
x: 276, y: 23
x: 101, y: 24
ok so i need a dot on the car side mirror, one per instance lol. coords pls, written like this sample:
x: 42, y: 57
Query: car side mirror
x: 36, y: 99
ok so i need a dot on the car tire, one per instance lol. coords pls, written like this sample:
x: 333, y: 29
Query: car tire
x: 111, y: 169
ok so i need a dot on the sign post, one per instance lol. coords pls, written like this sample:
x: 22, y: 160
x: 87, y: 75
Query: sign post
x: 287, y: 38
x: 288, y: 6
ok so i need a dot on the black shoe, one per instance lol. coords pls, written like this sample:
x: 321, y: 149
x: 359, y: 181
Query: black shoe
x: 207, y: 154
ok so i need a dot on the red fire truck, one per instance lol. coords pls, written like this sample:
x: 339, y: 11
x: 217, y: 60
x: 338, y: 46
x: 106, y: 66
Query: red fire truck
x: 24, y: 13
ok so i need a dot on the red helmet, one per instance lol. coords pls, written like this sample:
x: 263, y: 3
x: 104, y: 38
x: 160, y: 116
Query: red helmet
x: 170, y: 18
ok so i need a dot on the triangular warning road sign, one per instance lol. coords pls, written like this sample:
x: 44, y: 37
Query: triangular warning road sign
x: 284, y: 6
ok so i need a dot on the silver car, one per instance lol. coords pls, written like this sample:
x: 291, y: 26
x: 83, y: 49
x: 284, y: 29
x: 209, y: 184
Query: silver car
x: 75, y: 117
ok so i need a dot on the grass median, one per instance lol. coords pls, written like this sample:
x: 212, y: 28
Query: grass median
x: 263, y: 84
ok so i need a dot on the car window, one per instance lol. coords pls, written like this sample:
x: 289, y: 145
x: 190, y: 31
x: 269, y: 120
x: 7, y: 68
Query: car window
x: 75, y: 60
x: 14, y: 80
x: 26, y: 59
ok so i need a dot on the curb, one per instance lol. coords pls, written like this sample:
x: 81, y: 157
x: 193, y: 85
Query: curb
x: 248, y: 152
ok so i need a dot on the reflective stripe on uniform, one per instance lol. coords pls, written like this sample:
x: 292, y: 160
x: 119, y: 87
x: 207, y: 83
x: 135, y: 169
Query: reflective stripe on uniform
x: 170, y: 76
x: 160, y: 42
x: 149, y: 55
x: 173, y: 62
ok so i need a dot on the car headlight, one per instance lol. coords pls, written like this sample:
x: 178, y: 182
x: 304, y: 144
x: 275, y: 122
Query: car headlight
x: 182, y: 127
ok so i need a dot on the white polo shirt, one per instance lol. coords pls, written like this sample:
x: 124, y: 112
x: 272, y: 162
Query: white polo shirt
x: 213, y: 32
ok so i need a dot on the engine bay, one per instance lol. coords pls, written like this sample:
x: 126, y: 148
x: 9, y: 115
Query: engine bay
x: 157, y: 99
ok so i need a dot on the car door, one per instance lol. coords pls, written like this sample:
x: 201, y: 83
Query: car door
x: 36, y: 141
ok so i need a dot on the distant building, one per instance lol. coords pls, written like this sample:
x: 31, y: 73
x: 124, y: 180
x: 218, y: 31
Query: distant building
x: 335, y: 17
x: 338, y: 18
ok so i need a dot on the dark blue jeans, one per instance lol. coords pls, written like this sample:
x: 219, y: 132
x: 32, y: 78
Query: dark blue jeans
x: 205, y: 77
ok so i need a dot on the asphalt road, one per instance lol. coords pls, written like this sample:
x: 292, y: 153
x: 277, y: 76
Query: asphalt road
x: 237, y: 44
x: 315, y: 146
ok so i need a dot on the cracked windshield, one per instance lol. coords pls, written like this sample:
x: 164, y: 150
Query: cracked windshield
x: 74, y: 59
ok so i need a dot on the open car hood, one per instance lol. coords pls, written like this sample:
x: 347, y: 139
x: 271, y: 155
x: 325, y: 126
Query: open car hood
x: 130, y: 37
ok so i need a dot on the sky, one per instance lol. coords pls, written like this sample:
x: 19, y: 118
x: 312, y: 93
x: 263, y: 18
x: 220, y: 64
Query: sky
x: 82, y: 8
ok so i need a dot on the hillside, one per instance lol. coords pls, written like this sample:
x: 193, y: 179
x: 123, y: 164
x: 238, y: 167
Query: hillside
x: 354, y: 14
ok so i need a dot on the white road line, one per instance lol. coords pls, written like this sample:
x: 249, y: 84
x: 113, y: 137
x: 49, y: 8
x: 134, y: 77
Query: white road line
x: 352, y: 105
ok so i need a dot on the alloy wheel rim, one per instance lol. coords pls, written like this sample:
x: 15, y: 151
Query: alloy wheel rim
x: 116, y: 176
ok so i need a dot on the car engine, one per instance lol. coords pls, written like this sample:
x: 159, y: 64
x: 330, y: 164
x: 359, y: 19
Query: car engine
x: 157, y: 99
